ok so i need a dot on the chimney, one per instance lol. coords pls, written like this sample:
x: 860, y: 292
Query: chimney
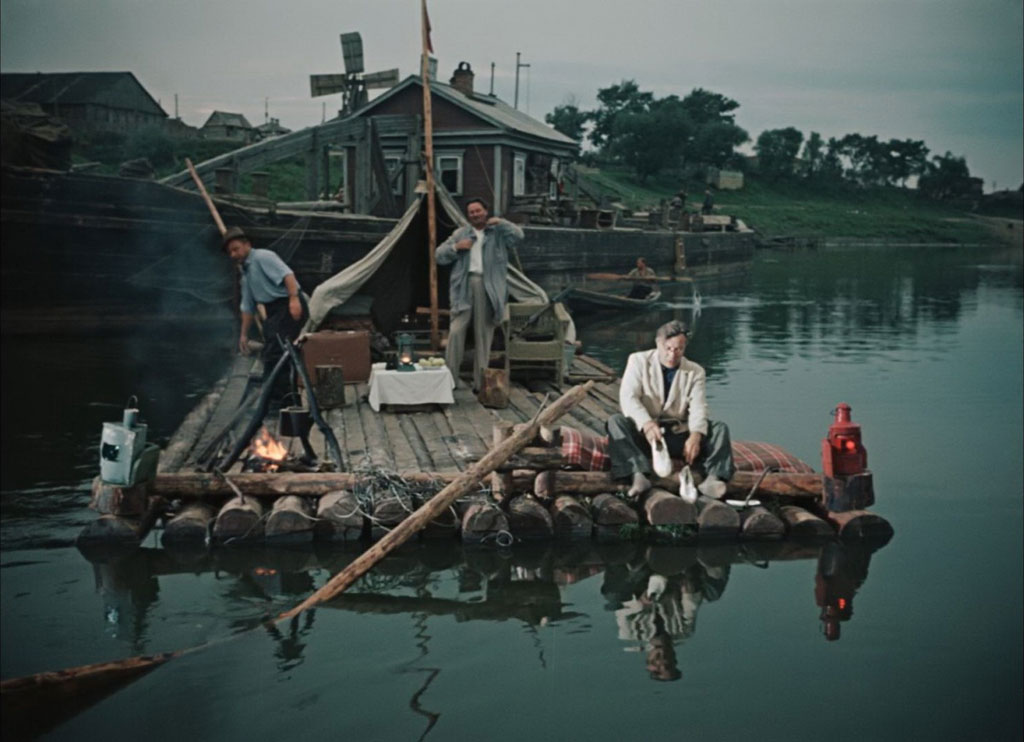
x: 462, y: 79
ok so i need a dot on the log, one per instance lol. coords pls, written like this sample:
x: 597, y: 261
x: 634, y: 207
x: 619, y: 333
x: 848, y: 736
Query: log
x: 528, y: 520
x: 462, y: 485
x: 802, y: 524
x: 187, y: 434
x: 663, y: 508
x: 241, y: 519
x: 117, y: 499
x: 115, y: 529
x: 861, y: 525
x: 339, y: 517
x: 191, y: 525
x: 329, y: 386
x: 290, y: 521
x: 388, y: 511
x: 482, y: 520
x: 849, y: 492
x: 715, y: 519
x: 501, y: 484
x: 204, y: 485
x: 610, y: 514
x: 570, y: 519
x: 760, y: 523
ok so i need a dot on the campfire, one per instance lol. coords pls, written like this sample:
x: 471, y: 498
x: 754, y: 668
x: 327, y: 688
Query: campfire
x: 266, y: 453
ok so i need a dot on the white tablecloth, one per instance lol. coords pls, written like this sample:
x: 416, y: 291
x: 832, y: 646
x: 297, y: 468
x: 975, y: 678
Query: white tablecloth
x: 422, y: 386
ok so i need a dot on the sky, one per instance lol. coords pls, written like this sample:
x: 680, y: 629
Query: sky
x: 949, y: 72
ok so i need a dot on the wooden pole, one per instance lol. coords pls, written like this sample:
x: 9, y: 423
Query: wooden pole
x: 440, y: 502
x: 206, y: 196
x: 428, y: 148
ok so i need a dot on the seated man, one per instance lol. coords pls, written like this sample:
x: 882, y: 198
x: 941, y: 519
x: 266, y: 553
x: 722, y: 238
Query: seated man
x: 641, y: 289
x: 663, y: 404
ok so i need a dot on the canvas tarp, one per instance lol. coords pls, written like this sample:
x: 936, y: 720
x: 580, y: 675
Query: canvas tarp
x: 392, y: 279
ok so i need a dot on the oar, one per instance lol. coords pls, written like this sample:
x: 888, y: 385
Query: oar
x: 29, y: 695
x: 206, y: 197
x: 623, y: 277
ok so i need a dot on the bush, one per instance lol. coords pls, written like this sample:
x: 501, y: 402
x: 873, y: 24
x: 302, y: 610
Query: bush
x: 153, y: 143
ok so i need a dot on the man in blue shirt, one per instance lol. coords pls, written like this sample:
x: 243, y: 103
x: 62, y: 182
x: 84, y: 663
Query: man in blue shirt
x: 266, y: 280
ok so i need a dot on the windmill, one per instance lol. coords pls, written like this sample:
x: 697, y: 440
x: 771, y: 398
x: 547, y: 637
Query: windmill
x: 354, y: 83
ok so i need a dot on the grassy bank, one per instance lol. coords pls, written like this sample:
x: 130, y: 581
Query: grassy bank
x: 801, y: 209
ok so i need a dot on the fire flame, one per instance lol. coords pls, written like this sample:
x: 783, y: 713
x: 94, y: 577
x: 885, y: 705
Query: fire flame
x: 266, y: 447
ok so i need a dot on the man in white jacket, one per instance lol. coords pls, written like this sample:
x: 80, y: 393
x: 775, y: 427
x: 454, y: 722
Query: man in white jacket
x: 663, y: 403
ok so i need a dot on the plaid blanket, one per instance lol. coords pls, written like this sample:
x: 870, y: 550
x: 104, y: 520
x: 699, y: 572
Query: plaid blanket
x: 590, y: 453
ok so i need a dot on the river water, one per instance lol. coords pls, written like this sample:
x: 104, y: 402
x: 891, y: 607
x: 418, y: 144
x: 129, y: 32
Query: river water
x: 440, y: 643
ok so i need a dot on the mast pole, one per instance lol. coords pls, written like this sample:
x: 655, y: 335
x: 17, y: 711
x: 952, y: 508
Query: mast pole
x: 428, y: 147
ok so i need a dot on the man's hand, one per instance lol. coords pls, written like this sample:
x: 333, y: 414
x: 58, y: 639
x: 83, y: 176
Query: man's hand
x: 294, y: 307
x: 691, y: 449
x: 652, y: 431
x: 493, y: 220
x: 464, y: 244
x: 243, y: 345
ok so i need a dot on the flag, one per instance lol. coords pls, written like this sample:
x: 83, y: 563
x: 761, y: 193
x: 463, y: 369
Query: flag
x: 426, y: 28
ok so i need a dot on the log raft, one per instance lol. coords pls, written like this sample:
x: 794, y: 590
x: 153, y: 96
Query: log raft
x: 534, y: 495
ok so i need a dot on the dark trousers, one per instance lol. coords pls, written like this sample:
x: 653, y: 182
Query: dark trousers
x: 631, y: 453
x: 279, y: 323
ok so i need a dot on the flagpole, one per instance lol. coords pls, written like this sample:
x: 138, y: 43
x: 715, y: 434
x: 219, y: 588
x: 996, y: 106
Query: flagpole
x: 428, y: 147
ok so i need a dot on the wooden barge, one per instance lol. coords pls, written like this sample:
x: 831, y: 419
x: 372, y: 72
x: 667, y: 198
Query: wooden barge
x: 394, y: 460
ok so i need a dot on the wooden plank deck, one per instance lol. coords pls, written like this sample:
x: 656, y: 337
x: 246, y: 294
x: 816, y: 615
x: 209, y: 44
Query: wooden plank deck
x: 445, y: 439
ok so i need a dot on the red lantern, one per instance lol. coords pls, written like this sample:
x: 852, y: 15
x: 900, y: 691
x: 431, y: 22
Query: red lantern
x: 842, y: 452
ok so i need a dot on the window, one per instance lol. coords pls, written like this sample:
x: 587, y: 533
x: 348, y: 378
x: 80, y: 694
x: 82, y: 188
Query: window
x: 338, y: 163
x: 448, y: 170
x: 519, y: 174
x: 394, y: 165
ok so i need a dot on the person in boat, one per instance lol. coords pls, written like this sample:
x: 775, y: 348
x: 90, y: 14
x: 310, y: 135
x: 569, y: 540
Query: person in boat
x: 665, y: 411
x: 709, y: 202
x: 478, y: 287
x: 266, y: 280
x: 641, y: 289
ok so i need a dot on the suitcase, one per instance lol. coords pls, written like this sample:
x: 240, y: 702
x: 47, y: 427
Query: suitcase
x: 349, y: 349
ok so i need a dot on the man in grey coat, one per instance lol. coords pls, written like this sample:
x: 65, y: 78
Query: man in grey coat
x: 663, y: 403
x: 478, y: 288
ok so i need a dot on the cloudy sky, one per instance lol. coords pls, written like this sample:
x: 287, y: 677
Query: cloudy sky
x: 945, y: 71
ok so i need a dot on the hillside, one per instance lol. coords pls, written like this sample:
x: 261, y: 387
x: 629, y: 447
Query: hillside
x: 801, y: 209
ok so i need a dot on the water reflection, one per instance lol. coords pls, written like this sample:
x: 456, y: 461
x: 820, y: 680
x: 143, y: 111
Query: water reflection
x: 652, y: 594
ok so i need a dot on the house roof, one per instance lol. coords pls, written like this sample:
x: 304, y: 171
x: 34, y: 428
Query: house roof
x: 488, y: 107
x: 224, y: 118
x: 76, y: 88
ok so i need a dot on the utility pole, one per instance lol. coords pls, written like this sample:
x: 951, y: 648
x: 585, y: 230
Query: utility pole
x: 176, y: 106
x: 492, y: 78
x: 518, y: 65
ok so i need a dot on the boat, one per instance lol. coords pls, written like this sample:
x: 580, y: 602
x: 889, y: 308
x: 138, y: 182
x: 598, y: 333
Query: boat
x: 587, y: 300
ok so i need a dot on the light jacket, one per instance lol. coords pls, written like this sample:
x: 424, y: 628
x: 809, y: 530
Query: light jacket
x: 642, y: 397
x: 498, y: 238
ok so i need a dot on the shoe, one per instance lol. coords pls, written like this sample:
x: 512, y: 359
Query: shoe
x: 712, y: 487
x: 660, y: 459
x: 687, y: 489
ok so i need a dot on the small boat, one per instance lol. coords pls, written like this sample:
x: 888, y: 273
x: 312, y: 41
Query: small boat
x: 584, y: 300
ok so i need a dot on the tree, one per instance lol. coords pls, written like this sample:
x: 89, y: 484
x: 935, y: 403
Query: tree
x: 624, y: 97
x: 946, y: 176
x: 906, y: 157
x: 652, y: 140
x: 569, y: 119
x: 714, y: 133
x: 813, y: 155
x: 777, y: 150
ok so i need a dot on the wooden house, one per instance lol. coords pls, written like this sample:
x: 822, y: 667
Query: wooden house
x: 483, y: 147
x: 87, y: 102
x: 228, y: 126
